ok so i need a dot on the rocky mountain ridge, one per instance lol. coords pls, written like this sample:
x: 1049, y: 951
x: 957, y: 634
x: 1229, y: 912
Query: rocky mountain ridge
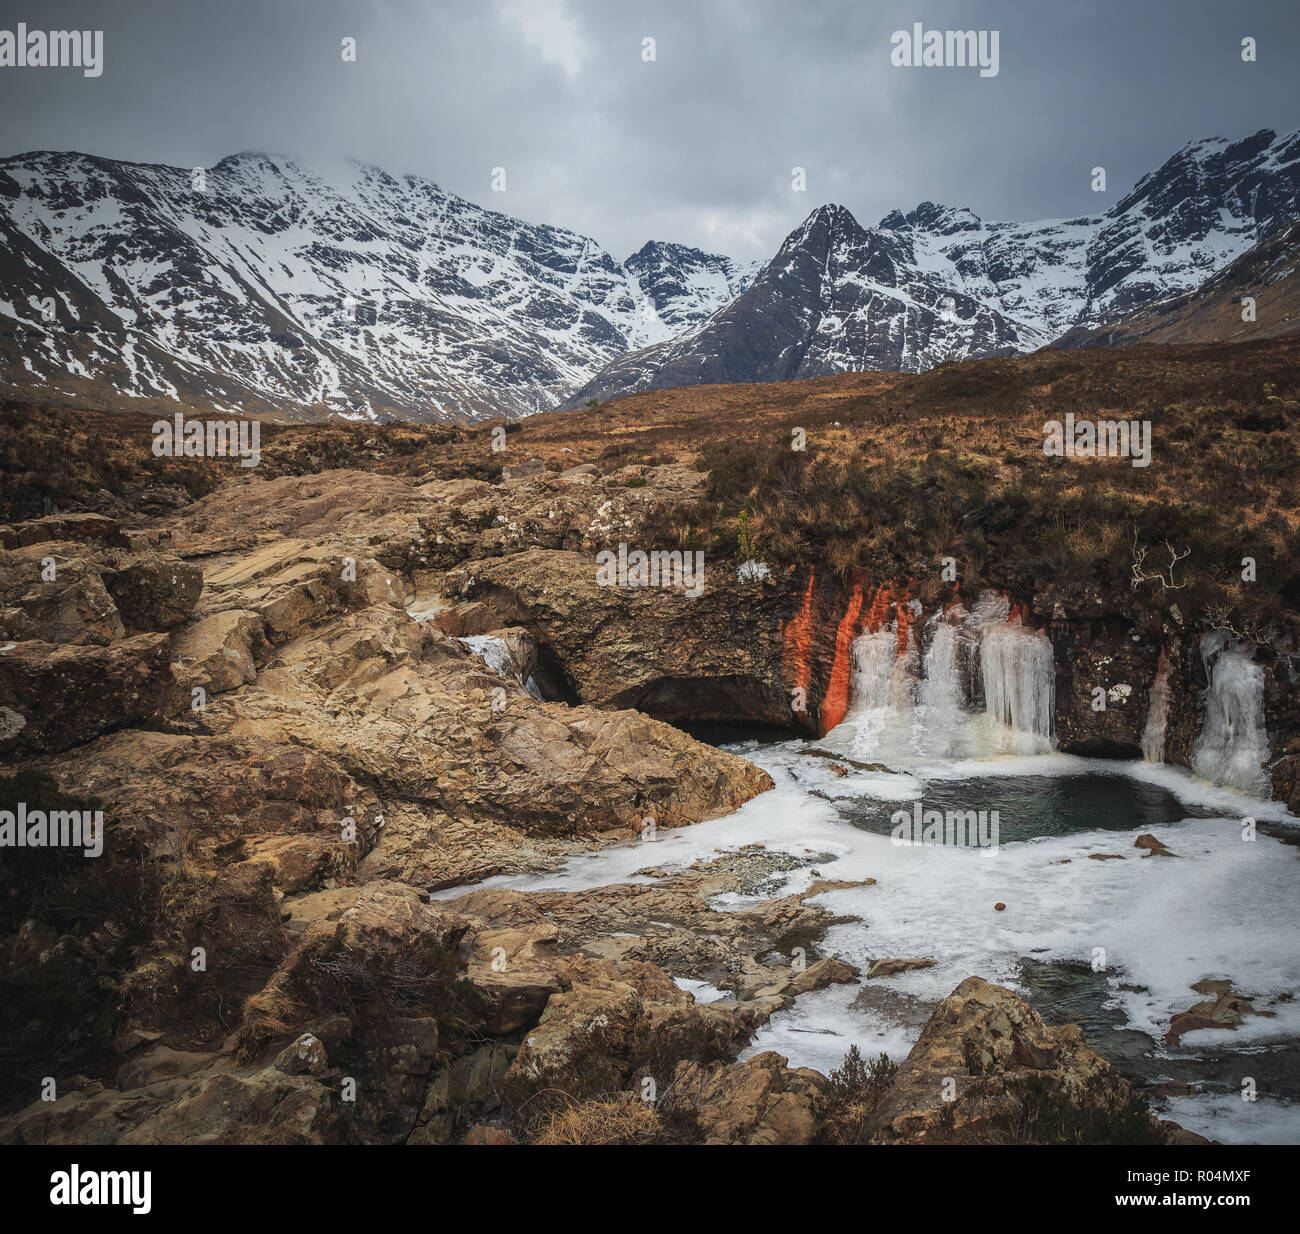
x: 267, y: 287
x: 938, y: 283
x: 264, y: 287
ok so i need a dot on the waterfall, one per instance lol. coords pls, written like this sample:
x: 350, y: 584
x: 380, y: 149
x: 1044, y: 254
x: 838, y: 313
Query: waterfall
x: 1019, y: 686
x: 1233, y: 742
x: 941, y: 696
x: 911, y: 696
x: 1153, y: 736
x: 871, y: 689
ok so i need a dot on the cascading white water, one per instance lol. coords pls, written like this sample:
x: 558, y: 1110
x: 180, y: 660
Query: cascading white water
x: 941, y: 687
x: 1019, y: 686
x: 1233, y: 741
x: 871, y: 689
x: 1153, y: 735
x: 942, y: 729
x: 905, y: 705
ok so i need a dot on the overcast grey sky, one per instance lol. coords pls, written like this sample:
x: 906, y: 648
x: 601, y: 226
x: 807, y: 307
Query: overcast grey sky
x: 696, y: 146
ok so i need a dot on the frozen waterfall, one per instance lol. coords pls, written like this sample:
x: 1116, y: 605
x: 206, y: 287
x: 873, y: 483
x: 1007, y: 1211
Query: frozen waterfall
x: 1233, y: 742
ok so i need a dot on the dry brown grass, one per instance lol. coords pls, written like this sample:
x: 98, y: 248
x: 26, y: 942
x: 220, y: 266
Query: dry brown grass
x: 900, y: 470
x: 622, y: 1118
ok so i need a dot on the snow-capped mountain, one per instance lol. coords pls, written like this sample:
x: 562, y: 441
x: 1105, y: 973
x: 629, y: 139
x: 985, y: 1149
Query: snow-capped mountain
x: 1267, y: 276
x: 939, y: 283
x: 686, y: 285
x: 266, y: 286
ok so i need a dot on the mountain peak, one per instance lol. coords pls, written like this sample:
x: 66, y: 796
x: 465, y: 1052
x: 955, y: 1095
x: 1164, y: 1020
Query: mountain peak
x: 832, y: 215
x: 937, y: 284
x: 826, y: 224
x: 292, y: 288
x: 933, y: 217
x: 662, y: 249
x: 242, y: 157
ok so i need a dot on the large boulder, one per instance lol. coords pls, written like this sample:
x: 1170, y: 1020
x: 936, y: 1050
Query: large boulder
x: 54, y: 697
x: 219, y: 652
x: 156, y: 591
x: 86, y: 528
x: 960, y: 1081
x: 759, y: 1101
x: 397, y: 704
x: 712, y: 657
x: 614, y: 1025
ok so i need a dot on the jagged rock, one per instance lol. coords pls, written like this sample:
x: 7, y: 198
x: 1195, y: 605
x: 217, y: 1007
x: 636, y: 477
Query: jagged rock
x: 888, y: 967
x: 469, y: 1083
x: 306, y: 1056
x: 1286, y: 777
x: 520, y: 660
x: 980, y: 1031
x: 219, y: 652
x: 156, y: 592
x: 72, y: 607
x: 393, y: 703
x: 1154, y: 847
x: 816, y: 976
x: 53, y: 697
x: 1225, y: 1009
x: 613, y: 1022
x: 673, y: 656
x: 305, y: 862
x: 77, y: 527
x: 268, y: 1107
x: 671, y: 923
x: 759, y: 1101
x: 514, y: 966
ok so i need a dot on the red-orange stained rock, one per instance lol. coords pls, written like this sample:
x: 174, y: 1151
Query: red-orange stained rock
x: 836, y: 702
x: 904, y: 622
x: 879, y: 608
x: 796, y: 649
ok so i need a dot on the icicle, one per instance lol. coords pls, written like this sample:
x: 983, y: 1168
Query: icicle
x: 1019, y: 686
x: 873, y: 667
x: 941, y: 696
x: 911, y: 685
x: 1233, y: 742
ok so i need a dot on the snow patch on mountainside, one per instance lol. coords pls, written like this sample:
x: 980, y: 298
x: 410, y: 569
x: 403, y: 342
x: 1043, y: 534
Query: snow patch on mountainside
x: 940, y: 283
x: 352, y: 292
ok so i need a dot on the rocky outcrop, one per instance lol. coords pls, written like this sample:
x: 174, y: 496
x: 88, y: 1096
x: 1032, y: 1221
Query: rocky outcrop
x: 52, y: 592
x: 155, y: 591
x: 1222, y: 1008
x: 290, y: 763
x: 715, y: 657
x: 961, y: 1082
x: 85, y: 527
x: 220, y: 652
x: 759, y: 1101
x: 53, y: 697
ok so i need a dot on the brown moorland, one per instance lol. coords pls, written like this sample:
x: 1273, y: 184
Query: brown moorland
x: 898, y: 471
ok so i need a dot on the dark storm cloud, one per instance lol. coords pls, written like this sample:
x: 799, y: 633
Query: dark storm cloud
x: 698, y: 145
